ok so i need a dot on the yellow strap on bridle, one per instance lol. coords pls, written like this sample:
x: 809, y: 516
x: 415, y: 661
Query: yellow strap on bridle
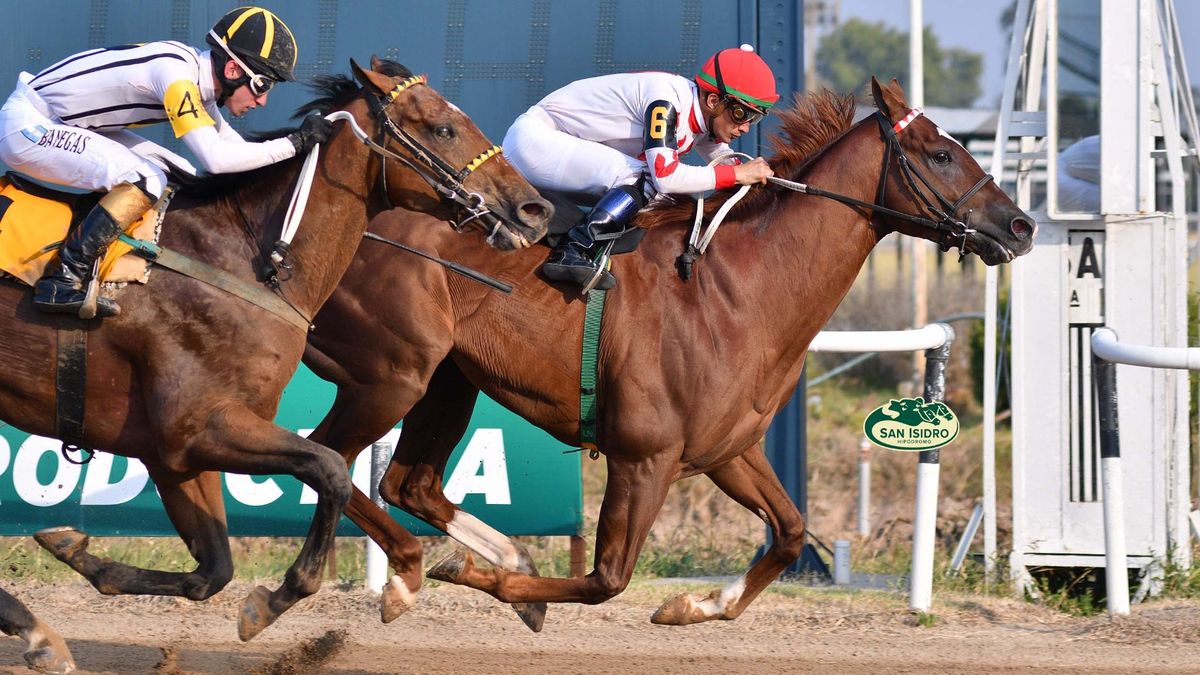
x: 483, y: 157
x: 412, y: 81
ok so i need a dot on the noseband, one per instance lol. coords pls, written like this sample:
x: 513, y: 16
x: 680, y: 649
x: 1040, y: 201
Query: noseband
x: 443, y: 178
x: 952, y: 232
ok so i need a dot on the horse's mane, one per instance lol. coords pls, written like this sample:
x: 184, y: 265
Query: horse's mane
x: 806, y: 127
x: 333, y: 91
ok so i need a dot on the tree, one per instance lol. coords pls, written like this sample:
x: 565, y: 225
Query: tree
x: 856, y: 50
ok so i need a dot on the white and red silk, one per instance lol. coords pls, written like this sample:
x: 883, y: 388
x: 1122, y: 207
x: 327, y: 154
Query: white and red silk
x: 611, y: 110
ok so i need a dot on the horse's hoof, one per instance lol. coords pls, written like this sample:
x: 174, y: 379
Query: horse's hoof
x: 63, y: 542
x: 680, y: 610
x: 256, y: 614
x: 48, y: 652
x: 396, y: 599
x: 532, y: 613
x: 451, y: 567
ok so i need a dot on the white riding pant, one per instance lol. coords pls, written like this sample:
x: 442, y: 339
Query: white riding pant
x: 35, y: 143
x: 553, y: 160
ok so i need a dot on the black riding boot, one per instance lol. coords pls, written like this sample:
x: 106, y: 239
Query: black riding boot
x: 64, y: 287
x: 572, y: 258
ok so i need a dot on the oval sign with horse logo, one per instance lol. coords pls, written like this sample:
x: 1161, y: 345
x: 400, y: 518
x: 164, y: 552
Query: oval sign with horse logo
x: 911, y: 424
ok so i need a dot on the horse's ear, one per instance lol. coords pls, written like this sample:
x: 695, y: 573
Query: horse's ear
x: 889, y: 99
x: 376, y: 63
x: 358, y: 72
x: 370, y: 79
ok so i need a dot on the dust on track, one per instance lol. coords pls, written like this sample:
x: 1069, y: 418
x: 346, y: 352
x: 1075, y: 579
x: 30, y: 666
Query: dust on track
x: 456, y: 630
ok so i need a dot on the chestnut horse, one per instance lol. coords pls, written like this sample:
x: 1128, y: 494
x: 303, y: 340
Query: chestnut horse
x: 188, y: 378
x: 689, y: 375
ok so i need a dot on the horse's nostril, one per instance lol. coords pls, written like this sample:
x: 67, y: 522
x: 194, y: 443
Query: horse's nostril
x: 535, y: 212
x: 1021, y: 228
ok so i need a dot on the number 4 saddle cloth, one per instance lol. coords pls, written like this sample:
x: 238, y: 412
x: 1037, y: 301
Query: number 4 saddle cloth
x: 34, y: 220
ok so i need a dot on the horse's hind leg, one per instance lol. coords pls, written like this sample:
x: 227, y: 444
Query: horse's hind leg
x: 749, y: 480
x: 236, y: 439
x: 633, y: 497
x: 432, y: 428
x: 195, y: 505
x: 359, y: 416
x: 47, y: 652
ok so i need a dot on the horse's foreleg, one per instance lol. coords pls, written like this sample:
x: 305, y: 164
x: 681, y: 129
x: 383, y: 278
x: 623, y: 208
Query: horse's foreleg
x: 47, y: 652
x: 632, y: 499
x: 359, y: 416
x: 237, y: 440
x: 749, y: 480
x: 195, y: 505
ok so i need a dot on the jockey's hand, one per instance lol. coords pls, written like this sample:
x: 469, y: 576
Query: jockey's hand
x: 755, y: 171
x: 314, y: 129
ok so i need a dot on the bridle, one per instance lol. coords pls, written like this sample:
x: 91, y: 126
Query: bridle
x: 443, y: 178
x: 952, y: 231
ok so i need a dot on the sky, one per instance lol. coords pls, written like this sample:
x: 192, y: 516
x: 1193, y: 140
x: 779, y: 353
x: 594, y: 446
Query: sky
x: 975, y: 25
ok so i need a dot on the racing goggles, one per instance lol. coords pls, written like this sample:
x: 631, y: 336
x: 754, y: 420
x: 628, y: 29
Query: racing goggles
x: 259, y: 84
x: 742, y: 113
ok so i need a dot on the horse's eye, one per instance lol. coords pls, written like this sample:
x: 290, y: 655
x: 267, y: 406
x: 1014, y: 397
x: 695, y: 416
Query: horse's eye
x: 443, y: 133
x: 941, y: 157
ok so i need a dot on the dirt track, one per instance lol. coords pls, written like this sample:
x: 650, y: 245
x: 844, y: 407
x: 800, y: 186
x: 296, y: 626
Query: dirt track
x: 458, y: 631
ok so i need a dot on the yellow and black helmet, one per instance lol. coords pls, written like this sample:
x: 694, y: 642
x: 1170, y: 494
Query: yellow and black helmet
x: 259, y: 39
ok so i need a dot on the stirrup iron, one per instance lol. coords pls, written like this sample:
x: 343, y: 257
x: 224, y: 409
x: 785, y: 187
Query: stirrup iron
x: 91, y: 298
x: 601, y: 260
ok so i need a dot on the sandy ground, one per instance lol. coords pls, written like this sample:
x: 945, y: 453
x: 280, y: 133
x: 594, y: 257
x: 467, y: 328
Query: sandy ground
x: 454, y: 630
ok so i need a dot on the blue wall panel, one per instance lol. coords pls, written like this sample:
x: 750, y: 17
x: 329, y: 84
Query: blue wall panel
x: 494, y: 59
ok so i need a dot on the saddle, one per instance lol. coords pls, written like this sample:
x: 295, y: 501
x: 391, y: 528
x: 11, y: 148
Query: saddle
x: 35, y: 219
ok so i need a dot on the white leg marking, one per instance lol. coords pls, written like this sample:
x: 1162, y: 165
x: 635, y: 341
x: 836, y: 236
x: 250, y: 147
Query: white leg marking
x: 729, y: 595
x: 478, y: 536
x: 403, y: 594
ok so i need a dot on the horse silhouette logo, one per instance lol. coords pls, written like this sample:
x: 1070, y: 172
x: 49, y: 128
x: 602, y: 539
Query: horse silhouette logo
x: 911, y: 425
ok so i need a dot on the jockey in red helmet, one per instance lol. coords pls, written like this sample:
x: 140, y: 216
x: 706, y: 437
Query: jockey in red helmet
x: 618, y: 138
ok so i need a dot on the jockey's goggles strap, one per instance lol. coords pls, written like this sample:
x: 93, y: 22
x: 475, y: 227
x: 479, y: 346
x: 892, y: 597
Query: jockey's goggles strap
x: 259, y: 84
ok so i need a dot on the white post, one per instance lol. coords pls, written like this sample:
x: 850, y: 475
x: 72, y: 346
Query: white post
x: 377, y: 563
x: 916, y: 99
x: 864, y: 487
x: 1116, y: 568
x: 920, y: 593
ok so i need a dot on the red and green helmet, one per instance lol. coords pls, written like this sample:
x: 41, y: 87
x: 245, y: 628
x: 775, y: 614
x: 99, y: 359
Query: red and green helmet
x: 742, y: 74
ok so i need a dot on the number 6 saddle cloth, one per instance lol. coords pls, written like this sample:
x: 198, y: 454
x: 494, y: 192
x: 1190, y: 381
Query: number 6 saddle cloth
x: 34, y: 220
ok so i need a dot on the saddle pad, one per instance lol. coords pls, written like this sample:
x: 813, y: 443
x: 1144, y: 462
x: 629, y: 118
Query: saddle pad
x: 32, y: 227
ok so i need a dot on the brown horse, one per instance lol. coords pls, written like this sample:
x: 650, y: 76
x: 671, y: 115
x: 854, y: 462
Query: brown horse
x: 188, y: 378
x: 689, y: 374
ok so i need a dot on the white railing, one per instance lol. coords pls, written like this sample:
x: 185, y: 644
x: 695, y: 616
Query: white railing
x: 1107, y: 351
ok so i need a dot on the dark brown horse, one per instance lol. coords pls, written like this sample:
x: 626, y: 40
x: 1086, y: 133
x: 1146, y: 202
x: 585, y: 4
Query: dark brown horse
x: 188, y: 378
x: 689, y: 374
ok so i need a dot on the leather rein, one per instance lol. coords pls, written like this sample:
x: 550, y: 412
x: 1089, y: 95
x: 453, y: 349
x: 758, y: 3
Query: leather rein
x: 953, y: 231
x: 443, y: 178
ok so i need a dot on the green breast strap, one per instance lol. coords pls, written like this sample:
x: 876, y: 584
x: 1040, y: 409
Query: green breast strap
x: 587, y: 367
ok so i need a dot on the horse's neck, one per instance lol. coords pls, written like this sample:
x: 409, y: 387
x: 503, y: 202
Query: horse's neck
x: 810, y: 249
x: 237, y: 232
x: 334, y: 220
x: 791, y: 266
